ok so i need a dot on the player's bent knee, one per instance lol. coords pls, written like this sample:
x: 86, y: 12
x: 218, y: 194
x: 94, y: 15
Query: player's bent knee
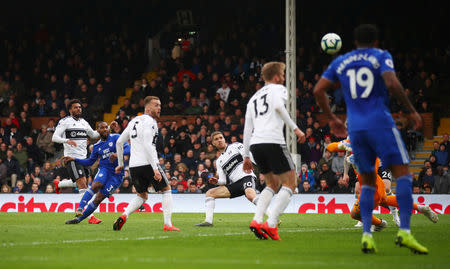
x: 96, y: 186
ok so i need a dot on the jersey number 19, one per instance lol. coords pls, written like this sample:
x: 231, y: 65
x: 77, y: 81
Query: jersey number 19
x: 362, y: 78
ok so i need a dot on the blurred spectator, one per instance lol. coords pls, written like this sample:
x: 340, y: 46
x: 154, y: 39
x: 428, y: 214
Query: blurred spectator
x: 180, y: 188
x: 435, y: 147
x: 441, y: 181
x: 328, y: 175
x: 428, y: 178
x: 47, y: 174
x: 126, y: 186
x: 13, y: 167
x: 22, y: 157
x: 442, y: 155
x: 6, y: 188
x: 305, y: 175
x: 323, y: 187
x: 200, y: 184
x: 49, y: 188
x: 327, y: 158
x: 193, y: 188
x: 33, y: 152
x: 337, y: 165
x: 342, y: 185
x: 19, y: 188
x: 306, y: 188
x: 3, y: 173
x: 35, y: 188
x: 44, y: 142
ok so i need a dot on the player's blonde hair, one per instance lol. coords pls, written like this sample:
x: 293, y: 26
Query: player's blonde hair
x: 148, y: 99
x: 216, y: 133
x: 271, y: 69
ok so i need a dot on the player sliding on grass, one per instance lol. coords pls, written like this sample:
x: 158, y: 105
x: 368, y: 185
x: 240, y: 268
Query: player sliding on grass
x: 233, y: 180
x: 145, y: 171
x: 106, y: 181
x: 380, y: 198
x: 366, y: 74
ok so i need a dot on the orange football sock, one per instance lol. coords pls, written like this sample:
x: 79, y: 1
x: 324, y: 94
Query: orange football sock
x: 375, y: 220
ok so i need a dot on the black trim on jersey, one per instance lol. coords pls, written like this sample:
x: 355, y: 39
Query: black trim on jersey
x: 232, y: 163
x: 76, y: 134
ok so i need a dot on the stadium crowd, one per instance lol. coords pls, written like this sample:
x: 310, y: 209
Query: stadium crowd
x: 211, y: 80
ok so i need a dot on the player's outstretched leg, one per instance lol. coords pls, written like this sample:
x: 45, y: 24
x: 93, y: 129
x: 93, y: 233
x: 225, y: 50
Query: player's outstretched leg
x: 210, y: 203
x: 427, y: 212
x: 167, y: 207
x: 91, y: 207
x: 86, y: 197
x: 132, y: 206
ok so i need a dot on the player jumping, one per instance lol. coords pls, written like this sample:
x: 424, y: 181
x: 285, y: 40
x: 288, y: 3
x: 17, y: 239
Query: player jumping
x: 106, y: 181
x: 364, y: 74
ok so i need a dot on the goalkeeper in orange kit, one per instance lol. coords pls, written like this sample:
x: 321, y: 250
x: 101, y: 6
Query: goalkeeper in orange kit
x: 380, y: 197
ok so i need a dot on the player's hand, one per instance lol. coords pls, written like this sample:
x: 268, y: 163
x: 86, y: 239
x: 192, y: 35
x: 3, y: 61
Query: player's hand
x: 118, y: 169
x: 337, y: 126
x: 113, y: 125
x: 300, y: 136
x: 71, y: 143
x: 158, y: 176
x: 66, y: 159
x: 113, y: 157
x: 417, y: 120
x: 213, y: 180
x: 248, y: 166
x: 346, y: 178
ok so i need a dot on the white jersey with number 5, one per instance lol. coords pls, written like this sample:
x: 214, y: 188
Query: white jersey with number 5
x: 142, y: 132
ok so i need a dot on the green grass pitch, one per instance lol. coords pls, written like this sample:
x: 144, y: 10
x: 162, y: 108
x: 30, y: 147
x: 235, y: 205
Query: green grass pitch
x: 42, y: 240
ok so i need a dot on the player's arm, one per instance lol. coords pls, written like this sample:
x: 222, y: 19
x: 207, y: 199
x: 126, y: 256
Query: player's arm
x: 282, y: 111
x: 248, y: 130
x: 91, y: 160
x: 151, y: 150
x: 90, y: 132
x: 222, y: 180
x: 123, y: 138
x: 346, y: 167
x: 337, y: 126
x: 58, y: 135
x: 395, y: 87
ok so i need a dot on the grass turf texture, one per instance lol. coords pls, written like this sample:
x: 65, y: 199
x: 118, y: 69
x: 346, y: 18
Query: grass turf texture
x: 42, y: 240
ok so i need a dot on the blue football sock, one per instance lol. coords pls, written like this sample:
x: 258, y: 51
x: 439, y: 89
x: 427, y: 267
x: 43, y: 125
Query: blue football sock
x: 87, y: 196
x: 366, y: 204
x: 91, y: 207
x: 404, y: 200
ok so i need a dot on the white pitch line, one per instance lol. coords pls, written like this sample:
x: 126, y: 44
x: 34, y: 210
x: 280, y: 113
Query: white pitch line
x: 144, y: 238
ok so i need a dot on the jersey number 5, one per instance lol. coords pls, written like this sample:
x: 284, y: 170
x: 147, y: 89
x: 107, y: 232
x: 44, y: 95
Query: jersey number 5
x: 364, y: 79
x: 264, y: 104
x: 134, y: 130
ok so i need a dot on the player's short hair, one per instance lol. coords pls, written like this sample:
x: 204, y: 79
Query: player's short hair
x: 74, y: 101
x: 366, y: 34
x: 101, y: 122
x: 148, y: 99
x: 216, y: 133
x: 271, y: 69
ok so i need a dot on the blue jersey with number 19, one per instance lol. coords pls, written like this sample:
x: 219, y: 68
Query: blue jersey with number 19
x: 365, y: 93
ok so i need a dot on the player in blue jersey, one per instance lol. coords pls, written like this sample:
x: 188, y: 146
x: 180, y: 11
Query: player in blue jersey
x: 366, y: 74
x: 106, y: 181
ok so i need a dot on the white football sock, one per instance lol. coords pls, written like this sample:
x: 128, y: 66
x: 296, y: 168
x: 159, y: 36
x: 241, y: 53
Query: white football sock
x: 263, y: 203
x: 279, y: 205
x: 134, y: 205
x: 255, y: 202
x: 210, y: 203
x: 167, y: 206
x: 66, y: 183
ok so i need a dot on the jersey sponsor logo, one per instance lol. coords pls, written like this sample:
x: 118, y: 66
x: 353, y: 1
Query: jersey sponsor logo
x: 232, y: 163
x: 389, y: 63
x: 76, y: 134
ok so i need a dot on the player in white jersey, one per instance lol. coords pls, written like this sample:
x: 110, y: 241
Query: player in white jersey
x: 263, y: 135
x: 73, y: 132
x: 145, y: 171
x: 233, y: 181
